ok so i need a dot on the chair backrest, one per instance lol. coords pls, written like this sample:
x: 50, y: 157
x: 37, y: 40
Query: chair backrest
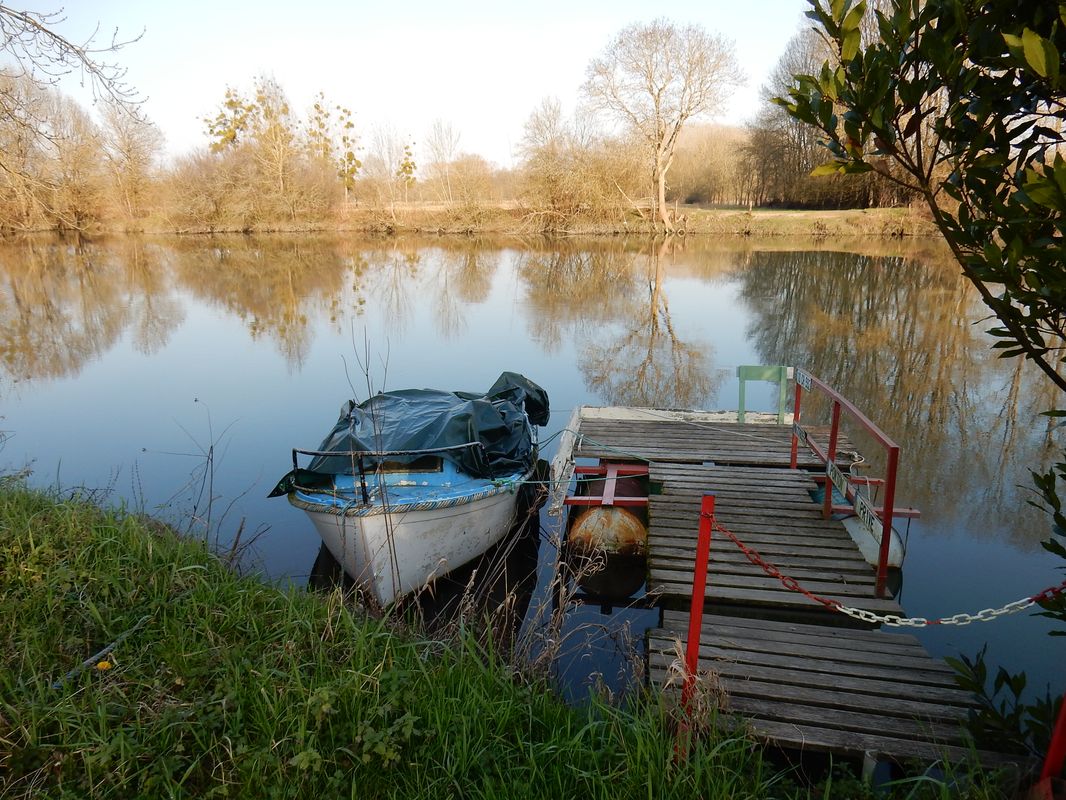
x: 778, y: 375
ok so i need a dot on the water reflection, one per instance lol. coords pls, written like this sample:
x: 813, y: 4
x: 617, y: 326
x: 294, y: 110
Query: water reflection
x: 648, y: 364
x: 896, y: 334
x: 902, y: 338
x: 65, y: 303
x: 276, y: 286
x: 595, y: 322
x: 574, y: 290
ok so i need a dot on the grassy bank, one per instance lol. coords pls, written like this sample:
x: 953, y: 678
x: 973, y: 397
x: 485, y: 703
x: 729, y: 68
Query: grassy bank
x: 227, y: 687
x: 221, y: 686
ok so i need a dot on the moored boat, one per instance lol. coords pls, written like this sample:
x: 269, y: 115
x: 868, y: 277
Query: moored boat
x: 413, y: 483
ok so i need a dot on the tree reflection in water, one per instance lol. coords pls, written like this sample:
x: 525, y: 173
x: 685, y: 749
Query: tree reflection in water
x: 902, y: 338
x: 66, y: 302
x: 648, y: 364
x: 899, y: 335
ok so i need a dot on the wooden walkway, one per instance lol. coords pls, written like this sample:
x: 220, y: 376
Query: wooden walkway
x: 769, y: 510
x: 800, y: 675
x: 761, y: 500
x: 686, y: 441
x: 827, y: 689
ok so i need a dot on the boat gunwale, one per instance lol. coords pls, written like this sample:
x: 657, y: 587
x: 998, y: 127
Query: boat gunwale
x: 357, y: 508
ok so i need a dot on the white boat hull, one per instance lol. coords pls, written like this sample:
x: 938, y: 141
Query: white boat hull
x: 870, y: 544
x: 394, y: 553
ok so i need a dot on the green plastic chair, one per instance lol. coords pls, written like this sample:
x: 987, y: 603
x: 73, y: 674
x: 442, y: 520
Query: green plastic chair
x: 778, y: 375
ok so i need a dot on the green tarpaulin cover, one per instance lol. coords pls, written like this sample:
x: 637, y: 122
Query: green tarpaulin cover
x: 430, y: 419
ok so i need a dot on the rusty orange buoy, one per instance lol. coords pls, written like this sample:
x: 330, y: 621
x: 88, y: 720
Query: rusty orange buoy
x: 610, y: 530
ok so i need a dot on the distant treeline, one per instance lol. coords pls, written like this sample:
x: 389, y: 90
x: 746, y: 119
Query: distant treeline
x: 267, y: 166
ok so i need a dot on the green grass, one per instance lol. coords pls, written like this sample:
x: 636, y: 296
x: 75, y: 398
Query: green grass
x: 227, y: 687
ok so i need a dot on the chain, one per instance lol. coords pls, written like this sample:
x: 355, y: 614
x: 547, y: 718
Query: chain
x: 985, y: 615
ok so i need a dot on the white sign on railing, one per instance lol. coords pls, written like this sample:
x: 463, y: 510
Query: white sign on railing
x: 863, y: 510
x: 799, y: 432
x: 837, y: 477
x: 868, y: 517
x: 804, y: 379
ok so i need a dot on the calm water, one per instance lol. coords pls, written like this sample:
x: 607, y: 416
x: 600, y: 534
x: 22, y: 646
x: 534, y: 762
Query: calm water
x: 124, y: 363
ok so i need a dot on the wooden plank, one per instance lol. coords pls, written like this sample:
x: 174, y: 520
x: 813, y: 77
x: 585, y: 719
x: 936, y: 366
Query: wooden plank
x: 686, y: 519
x: 805, y: 574
x: 807, y: 737
x: 754, y: 577
x: 783, y: 554
x: 680, y: 593
x: 826, y: 667
x: 877, y: 641
x: 759, y: 530
x: 830, y: 698
x: 660, y: 655
x: 841, y: 650
x: 917, y: 728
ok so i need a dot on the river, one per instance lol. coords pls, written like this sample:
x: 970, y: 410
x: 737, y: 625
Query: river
x: 175, y: 374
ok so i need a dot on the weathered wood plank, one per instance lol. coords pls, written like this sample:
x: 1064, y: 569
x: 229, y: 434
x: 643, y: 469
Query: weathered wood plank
x: 679, y: 594
x: 807, y: 575
x: 831, y: 698
x: 826, y: 668
x: 808, y: 737
x: 660, y: 655
x: 839, y: 650
x: 878, y: 641
x: 830, y: 584
x: 918, y: 728
x: 781, y: 554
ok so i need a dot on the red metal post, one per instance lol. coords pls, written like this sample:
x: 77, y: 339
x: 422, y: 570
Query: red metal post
x: 699, y: 591
x: 830, y: 459
x: 795, y: 422
x: 1056, y: 753
x: 886, y: 517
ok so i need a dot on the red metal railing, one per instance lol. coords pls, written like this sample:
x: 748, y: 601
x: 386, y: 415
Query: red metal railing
x: 873, y: 517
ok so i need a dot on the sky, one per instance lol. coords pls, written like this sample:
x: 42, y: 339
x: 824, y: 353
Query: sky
x: 481, y: 67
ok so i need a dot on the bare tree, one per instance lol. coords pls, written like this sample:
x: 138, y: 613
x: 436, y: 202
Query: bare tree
x: 42, y: 57
x: 75, y: 172
x: 130, y: 146
x: 443, y: 146
x: 654, y: 77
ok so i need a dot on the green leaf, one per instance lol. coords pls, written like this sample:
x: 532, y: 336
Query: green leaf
x: 850, y: 47
x: 850, y: 32
x: 829, y: 168
x: 1041, y: 54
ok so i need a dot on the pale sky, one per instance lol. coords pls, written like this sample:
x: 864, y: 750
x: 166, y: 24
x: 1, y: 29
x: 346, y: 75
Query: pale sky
x: 480, y: 66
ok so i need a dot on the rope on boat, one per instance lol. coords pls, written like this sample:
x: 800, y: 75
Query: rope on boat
x: 985, y: 615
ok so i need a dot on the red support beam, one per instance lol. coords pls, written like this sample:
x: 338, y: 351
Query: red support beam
x: 886, y: 516
x: 699, y: 593
x: 1056, y: 753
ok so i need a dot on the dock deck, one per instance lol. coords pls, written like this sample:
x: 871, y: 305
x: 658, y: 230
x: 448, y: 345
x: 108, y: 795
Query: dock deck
x: 799, y: 674
x: 825, y: 689
x: 766, y: 504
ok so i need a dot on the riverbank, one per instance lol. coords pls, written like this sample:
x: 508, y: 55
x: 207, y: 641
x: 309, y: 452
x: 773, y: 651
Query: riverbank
x: 220, y: 685
x: 692, y: 221
x: 512, y: 220
x: 223, y: 686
